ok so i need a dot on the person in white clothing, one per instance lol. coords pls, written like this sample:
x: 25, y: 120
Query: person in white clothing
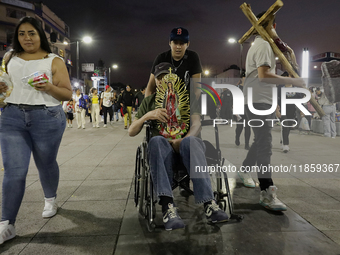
x: 95, y: 109
x: 106, y: 104
x: 80, y: 112
x: 33, y: 121
x: 328, y: 119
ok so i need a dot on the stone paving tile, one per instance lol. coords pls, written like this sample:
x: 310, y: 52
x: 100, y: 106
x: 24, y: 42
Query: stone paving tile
x: 109, y: 172
x: 82, y: 245
x: 34, y: 193
x: 102, y: 190
x: 85, y: 219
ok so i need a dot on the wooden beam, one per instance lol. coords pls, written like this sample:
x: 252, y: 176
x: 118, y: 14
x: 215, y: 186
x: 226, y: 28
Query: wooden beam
x: 265, y: 35
x: 265, y: 18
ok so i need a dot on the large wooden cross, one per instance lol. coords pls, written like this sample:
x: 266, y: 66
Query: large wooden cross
x: 257, y: 27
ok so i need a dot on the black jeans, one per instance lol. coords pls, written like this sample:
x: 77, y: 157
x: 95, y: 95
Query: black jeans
x: 239, y: 129
x: 261, y: 150
x: 105, y: 110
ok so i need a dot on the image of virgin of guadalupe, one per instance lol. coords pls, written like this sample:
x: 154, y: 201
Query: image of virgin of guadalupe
x: 171, y: 106
x: 171, y: 95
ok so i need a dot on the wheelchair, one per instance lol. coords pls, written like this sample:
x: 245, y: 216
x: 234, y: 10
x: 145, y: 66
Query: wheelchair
x: 144, y: 197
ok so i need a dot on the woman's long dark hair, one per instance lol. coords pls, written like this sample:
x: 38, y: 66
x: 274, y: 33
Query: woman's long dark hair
x: 36, y: 24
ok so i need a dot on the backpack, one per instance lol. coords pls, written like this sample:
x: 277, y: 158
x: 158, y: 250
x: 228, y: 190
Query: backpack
x: 82, y: 102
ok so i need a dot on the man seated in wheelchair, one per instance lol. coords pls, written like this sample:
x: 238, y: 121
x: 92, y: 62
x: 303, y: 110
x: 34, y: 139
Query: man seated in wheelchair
x: 172, y: 140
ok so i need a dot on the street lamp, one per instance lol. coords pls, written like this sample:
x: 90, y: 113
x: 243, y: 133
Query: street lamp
x: 232, y: 41
x: 305, y: 63
x: 115, y: 66
x: 86, y: 39
x: 206, y: 72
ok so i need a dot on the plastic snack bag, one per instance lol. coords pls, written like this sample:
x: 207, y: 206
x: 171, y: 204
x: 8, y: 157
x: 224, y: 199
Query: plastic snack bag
x: 34, y: 78
x: 4, y: 77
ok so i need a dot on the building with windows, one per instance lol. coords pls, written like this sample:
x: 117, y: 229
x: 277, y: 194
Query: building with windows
x: 57, y: 32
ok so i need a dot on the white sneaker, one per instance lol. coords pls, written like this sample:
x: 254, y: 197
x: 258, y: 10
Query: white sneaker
x: 68, y: 125
x: 94, y: 126
x: 246, y: 179
x: 71, y: 125
x: 97, y: 126
x: 269, y: 200
x: 50, y: 208
x: 285, y: 148
x: 7, y: 231
x: 104, y: 126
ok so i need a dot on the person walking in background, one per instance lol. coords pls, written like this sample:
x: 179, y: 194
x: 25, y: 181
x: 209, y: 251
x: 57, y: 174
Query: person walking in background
x: 80, y: 111
x: 69, y: 112
x: 115, y: 106
x: 139, y: 98
x: 127, y: 101
x: 242, y: 119
x: 106, y: 104
x: 290, y: 114
x: 33, y: 122
x: 95, y: 109
x: 328, y: 119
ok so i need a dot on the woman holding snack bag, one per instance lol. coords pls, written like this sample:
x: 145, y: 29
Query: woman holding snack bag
x: 33, y: 120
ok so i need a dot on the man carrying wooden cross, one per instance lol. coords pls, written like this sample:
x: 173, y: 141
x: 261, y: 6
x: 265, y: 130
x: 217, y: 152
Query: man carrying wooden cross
x: 261, y: 77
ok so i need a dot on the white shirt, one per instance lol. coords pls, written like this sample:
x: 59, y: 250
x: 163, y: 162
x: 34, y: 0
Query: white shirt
x: 259, y: 54
x: 22, y: 92
x: 76, y: 102
x: 107, y: 97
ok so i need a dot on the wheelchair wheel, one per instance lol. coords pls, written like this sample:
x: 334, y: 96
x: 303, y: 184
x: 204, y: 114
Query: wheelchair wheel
x: 150, y: 216
x: 137, y: 176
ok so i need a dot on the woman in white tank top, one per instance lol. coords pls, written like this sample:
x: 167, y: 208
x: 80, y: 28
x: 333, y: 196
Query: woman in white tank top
x: 33, y: 121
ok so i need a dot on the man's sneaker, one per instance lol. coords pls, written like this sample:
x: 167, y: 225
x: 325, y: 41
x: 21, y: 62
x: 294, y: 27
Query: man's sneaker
x: 104, y: 126
x: 94, y: 126
x: 269, y: 200
x: 246, y: 179
x: 97, y: 126
x: 214, y: 213
x: 171, y: 219
x: 246, y: 147
x: 285, y: 148
x: 50, y: 208
x: 7, y: 231
x: 71, y: 125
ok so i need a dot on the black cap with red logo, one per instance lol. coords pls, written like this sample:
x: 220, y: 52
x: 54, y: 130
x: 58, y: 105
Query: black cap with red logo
x: 179, y: 33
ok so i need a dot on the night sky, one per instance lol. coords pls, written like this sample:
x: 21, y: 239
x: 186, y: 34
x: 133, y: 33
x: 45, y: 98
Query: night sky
x: 132, y: 33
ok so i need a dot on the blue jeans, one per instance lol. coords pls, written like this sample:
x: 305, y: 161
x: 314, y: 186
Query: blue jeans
x: 22, y: 132
x: 115, y: 111
x: 261, y: 150
x: 162, y: 158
